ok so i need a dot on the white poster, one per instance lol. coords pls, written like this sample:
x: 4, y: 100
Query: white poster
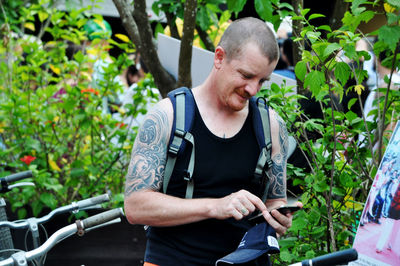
x: 378, y: 236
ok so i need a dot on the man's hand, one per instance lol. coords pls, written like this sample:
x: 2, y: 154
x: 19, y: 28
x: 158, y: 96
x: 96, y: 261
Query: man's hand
x: 237, y: 205
x: 280, y: 222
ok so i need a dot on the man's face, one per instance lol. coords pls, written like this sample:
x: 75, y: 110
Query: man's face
x: 241, y: 78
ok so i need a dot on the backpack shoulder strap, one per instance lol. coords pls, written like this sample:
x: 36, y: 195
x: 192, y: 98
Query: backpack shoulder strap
x: 183, y: 105
x: 261, y: 124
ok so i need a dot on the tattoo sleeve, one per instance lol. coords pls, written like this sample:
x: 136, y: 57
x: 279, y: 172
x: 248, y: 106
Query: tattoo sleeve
x: 146, y: 168
x: 277, y: 173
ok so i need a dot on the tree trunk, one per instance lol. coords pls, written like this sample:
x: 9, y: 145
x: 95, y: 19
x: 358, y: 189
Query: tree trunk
x: 205, y: 39
x: 172, y: 25
x: 143, y: 40
x: 337, y: 14
x: 185, y: 56
x: 298, y: 45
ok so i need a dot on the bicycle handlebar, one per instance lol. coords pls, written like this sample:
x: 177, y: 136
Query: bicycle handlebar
x: 103, y: 218
x: 74, y: 206
x: 17, y: 176
x: 93, y: 201
x: 4, y: 181
x: 335, y: 258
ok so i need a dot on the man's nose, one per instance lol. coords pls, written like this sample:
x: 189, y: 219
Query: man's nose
x: 252, y: 88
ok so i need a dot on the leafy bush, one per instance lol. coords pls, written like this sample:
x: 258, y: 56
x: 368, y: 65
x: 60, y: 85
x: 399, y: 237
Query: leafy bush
x: 51, y: 110
x: 342, y: 169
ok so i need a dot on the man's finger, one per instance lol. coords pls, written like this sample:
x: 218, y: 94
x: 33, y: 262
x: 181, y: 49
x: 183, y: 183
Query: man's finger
x: 279, y: 228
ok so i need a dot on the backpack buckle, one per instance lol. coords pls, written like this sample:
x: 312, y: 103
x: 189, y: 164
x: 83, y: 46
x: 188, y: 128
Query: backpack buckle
x: 180, y: 133
x: 269, y: 161
x: 187, y: 175
x: 176, y: 141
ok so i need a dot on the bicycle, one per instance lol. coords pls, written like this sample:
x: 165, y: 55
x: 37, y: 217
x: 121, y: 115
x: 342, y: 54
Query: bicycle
x: 32, y: 224
x: 342, y: 257
x: 80, y: 227
x: 6, y: 242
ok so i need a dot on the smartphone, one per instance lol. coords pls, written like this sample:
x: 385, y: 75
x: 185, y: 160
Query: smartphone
x: 284, y: 209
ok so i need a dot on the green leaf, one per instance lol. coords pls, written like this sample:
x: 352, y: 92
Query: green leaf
x: 315, y: 15
x: 37, y: 207
x: 42, y: 15
x: 159, y: 29
x: 77, y: 172
x: 305, y: 11
x: 155, y: 7
x: 321, y: 186
x: 33, y: 144
x: 314, y: 80
x: 366, y: 16
x: 325, y: 27
x: 390, y: 35
x: 225, y: 16
x: 297, y: 18
x: 236, y: 5
x: 22, y: 213
x: 338, y: 191
x: 202, y: 18
x: 286, y: 256
x: 298, y: 224
x: 394, y: 3
x: 49, y: 200
x: 392, y: 18
x: 264, y: 9
x: 342, y: 72
x: 351, y: 103
x: 318, y: 231
x: 332, y: 47
x: 300, y: 70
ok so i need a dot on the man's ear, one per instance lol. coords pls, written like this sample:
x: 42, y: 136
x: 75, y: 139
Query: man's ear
x: 219, y: 56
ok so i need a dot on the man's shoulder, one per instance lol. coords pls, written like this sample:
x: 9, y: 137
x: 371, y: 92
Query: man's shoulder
x: 162, y: 109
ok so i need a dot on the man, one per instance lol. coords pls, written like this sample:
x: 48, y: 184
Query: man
x: 201, y: 230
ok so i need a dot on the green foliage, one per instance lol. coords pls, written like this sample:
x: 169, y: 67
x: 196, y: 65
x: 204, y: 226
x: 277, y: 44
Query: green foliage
x: 341, y: 168
x: 210, y: 17
x: 51, y: 111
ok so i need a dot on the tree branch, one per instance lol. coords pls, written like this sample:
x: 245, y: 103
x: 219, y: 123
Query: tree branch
x: 385, y: 105
x: 125, y: 11
x: 205, y: 39
x: 297, y: 27
x: 339, y: 9
x: 163, y: 80
x: 172, y: 25
x: 185, y: 56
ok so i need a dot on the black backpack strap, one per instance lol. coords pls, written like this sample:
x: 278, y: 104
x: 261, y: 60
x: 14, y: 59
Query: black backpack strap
x: 183, y: 105
x: 261, y: 124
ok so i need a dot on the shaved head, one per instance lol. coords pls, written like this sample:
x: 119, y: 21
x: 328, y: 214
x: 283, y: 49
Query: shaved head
x: 249, y: 30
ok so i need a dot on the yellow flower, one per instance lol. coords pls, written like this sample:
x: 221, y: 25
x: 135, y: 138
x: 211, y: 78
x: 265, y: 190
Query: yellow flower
x: 55, y: 69
x: 54, y: 165
x: 359, y: 88
x: 388, y: 8
x: 122, y: 37
x: 30, y: 25
x: 2, y: 126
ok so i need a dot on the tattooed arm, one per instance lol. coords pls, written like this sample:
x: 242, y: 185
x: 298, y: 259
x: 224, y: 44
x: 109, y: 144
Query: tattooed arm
x: 277, y: 175
x: 280, y: 145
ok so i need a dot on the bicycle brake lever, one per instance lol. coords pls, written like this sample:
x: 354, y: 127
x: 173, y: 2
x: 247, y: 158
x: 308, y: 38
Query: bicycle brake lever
x: 21, y: 184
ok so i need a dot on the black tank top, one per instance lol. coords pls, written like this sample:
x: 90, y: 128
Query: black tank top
x: 222, y: 166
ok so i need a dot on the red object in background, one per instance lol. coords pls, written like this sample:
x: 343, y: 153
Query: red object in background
x: 28, y: 159
x: 91, y: 90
